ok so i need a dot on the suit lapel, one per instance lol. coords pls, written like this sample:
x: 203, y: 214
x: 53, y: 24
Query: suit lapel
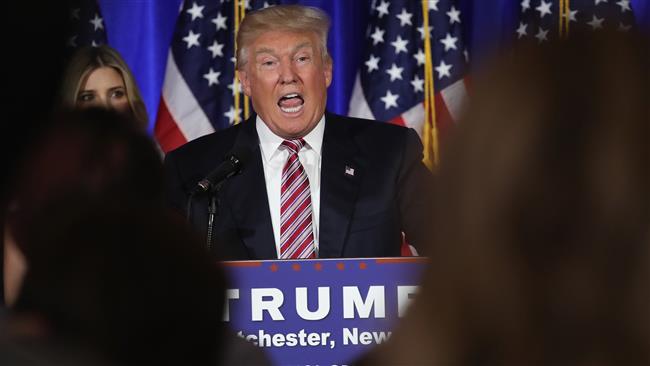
x: 249, y: 204
x: 340, y: 178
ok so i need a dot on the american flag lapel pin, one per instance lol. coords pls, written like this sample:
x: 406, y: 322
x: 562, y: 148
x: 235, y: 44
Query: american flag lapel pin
x: 349, y: 171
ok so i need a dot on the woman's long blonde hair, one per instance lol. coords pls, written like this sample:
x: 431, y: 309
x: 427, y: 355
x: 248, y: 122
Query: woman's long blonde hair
x: 86, y: 60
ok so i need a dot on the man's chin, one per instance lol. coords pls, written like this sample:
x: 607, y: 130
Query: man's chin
x: 291, y: 128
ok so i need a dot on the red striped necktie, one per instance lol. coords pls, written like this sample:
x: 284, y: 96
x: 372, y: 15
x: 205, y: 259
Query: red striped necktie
x: 296, y: 231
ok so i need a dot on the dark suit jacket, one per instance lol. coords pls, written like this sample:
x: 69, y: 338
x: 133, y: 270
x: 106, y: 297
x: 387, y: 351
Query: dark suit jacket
x: 361, y: 215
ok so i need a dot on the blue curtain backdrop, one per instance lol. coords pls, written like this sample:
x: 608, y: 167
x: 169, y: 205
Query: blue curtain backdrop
x: 141, y: 31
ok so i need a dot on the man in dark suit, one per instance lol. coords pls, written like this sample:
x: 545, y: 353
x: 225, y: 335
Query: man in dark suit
x: 316, y: 184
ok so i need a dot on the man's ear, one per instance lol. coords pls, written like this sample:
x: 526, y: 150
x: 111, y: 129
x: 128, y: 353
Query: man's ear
x: 245, y: 82
x: 327, y: 69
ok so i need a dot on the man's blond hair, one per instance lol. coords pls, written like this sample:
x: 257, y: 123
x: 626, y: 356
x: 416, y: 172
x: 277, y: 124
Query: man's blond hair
x: 290, y: 18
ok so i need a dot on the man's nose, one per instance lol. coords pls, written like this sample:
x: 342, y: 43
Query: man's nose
x: 287, y: 73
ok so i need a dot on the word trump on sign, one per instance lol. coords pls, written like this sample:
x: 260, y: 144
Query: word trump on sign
x: 271, y: 301
x: 322, y: 311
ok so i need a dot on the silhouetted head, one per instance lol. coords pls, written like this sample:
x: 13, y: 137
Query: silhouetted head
x: 542, y: 215
x: 127, y: 284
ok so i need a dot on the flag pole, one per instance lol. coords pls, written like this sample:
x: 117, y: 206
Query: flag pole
x: 430, y: 131
x: 242, y: 14
x: 564, y: 14
x: 239, y: 15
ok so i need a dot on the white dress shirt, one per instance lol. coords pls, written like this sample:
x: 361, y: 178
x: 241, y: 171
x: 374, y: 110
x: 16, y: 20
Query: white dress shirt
x: 274, y: 158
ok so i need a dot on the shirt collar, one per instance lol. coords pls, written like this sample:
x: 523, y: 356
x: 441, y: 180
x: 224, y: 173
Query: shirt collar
x: 270, y: 142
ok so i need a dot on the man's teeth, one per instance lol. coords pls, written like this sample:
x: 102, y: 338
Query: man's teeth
x: 291, y: 95
x: 292, y: 109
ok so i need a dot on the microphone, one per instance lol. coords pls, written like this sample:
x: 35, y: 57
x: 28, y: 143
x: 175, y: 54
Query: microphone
x: 233, y: 163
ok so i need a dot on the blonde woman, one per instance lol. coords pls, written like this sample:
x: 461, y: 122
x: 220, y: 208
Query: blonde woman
x: 99, y: 77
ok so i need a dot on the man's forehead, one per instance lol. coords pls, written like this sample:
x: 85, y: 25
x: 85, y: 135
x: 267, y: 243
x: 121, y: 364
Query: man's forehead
x: 277, y: 41
x: 270, y: 49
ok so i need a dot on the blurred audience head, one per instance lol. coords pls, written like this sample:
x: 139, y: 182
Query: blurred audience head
x: 110, y: 274
x: 89, y: 155
x: 99, y: 77
x: 542, y: 224
x: 123, y: 284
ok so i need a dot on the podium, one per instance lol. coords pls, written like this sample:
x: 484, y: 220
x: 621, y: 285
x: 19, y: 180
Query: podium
x: 320, y: 311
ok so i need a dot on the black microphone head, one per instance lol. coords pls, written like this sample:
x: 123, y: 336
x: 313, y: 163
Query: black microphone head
x: 233, y: 164
x: 239, y: 156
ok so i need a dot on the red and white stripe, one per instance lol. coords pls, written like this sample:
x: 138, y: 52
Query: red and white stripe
x: 180, y: 117
x: 296, y: 231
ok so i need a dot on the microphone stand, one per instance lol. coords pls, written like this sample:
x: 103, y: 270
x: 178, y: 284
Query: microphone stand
x: 188, y: 207
x: 212, y: 183
x: 213, y: 210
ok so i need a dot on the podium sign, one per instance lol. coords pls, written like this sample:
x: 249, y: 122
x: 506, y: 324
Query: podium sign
x: 321, y: 311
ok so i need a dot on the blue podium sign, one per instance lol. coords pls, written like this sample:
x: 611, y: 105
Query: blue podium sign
x: 322, y: 311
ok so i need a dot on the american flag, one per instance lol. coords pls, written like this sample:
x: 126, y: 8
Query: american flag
x: 199, y: 90
x: 540, y: 20
x: 390, y: 86
x: 86, y: 25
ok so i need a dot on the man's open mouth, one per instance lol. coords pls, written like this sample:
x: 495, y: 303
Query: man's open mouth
x: 291, y: 103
